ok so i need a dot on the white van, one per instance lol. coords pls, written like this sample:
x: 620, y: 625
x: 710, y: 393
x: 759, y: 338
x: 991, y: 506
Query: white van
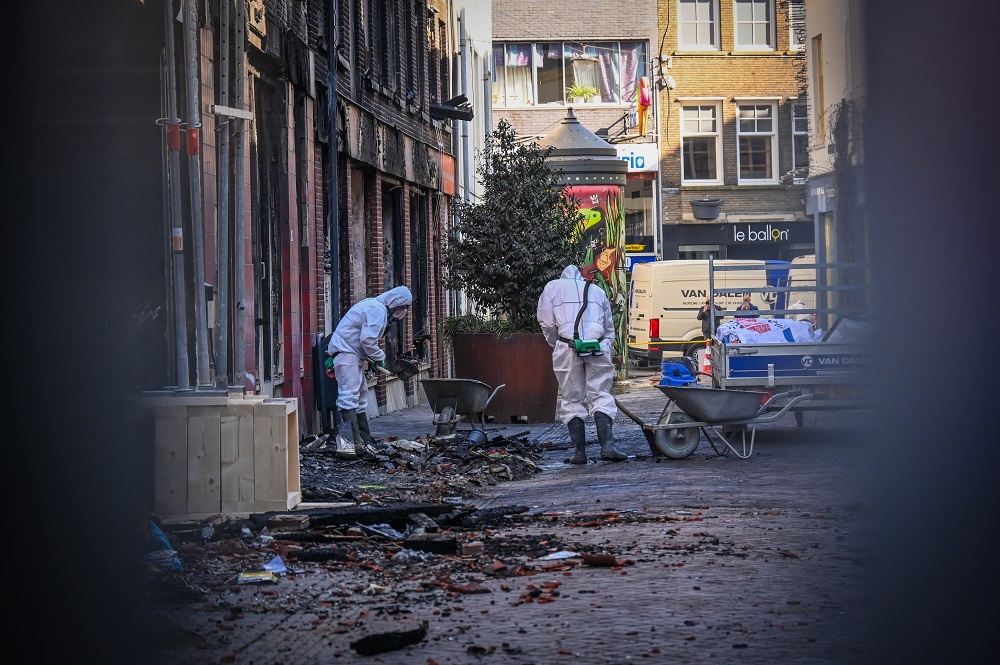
x: 665, y: 296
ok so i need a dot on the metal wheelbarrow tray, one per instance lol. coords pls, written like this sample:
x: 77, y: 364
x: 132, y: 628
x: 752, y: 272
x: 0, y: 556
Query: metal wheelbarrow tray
x: 690, y: 410
x: 457, y: 400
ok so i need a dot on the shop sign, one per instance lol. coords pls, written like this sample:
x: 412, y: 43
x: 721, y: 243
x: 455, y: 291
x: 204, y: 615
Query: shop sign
x: 631, y: 260
x: 759, y: 233
x: 639, y: 156
x: 447, y: 163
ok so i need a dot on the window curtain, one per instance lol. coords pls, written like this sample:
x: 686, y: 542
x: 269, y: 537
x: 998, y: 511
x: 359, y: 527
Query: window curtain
x: 515, y: 81
x: 610, y: 82
x: 633, y: 67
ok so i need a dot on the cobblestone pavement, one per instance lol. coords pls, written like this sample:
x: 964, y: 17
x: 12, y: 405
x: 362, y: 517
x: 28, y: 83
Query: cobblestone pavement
x: 769, y: 559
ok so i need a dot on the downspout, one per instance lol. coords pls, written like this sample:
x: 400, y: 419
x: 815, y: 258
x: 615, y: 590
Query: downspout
x: 197, y: 221
x: 466, y: 148
x: 239, y: 173
x: 487, y: 100
x: 176, y: 220
x: 658, y: 188
x: 222, y: 316
x: 333, y: 208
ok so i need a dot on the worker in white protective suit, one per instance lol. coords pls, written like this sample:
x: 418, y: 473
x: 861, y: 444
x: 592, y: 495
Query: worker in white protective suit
x: 355, y: 343
x: 575, y: 316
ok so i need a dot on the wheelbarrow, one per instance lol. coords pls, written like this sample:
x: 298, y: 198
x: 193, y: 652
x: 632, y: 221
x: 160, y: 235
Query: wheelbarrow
x: 456, y: 400
x: 716, y: 412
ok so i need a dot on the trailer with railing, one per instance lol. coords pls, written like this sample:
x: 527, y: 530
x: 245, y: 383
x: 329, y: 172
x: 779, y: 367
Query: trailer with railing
x: 834, y: 365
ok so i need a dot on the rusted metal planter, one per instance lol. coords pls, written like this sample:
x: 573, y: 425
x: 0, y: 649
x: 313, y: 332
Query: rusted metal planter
x: 522, y: 361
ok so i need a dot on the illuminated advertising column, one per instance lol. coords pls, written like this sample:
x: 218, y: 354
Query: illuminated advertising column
x: 594, y: 175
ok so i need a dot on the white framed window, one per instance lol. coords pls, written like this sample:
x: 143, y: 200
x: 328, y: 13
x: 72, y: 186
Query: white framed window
x: 800, y: 140
x: 757, y: 138
x: 701, y: 144
x: 796, y: 25
x: 698, y: 25
x: 543, y: 73
x: 753, y: 25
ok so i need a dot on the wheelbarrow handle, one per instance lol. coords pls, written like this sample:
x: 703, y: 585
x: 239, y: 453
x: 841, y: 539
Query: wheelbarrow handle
x: 495, y: 391
x: 777, y: 396
x: 381, y: 369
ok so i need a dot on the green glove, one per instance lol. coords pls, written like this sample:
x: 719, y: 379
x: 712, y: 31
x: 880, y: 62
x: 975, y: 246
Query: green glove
x: 381, y: 363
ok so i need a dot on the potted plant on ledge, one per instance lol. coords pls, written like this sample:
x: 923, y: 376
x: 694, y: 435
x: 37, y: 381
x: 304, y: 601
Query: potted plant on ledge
x: 501, y: 252
x: 580, y: 93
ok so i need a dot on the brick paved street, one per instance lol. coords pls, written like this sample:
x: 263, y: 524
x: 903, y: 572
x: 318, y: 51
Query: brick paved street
x: 763, y: 560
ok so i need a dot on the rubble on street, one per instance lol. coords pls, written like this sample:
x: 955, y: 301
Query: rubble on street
x: 444, y: 550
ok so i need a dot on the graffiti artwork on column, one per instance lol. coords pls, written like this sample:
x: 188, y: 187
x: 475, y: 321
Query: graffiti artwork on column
x: 604, y: 226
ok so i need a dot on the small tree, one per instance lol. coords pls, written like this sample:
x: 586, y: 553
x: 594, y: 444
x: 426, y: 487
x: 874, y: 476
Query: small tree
x: 504, y: 249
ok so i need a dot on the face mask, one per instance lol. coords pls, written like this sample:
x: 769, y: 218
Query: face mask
x: 398, y: 313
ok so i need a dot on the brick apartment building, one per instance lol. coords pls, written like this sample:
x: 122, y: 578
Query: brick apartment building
x: 541, y: 49
x: 727, y: 122
x: 733, y: 129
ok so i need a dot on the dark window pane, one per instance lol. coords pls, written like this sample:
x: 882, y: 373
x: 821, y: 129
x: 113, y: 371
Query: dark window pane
x: 755, y: 157
x: 801, y: 151
x: 699, y: 158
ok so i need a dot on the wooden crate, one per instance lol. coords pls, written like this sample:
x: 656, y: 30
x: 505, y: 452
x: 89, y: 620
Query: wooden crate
x: 225, y: 454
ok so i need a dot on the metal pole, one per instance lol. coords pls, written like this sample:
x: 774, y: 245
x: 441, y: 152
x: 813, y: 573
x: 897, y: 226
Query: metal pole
x: 658, y: 187
x: 239, y: 236
x: 222, y: 303
x: 466, y: 149
x: 333, y: 208
x: 194, y: 158
x: 176, y: 220
x: 168, y: 268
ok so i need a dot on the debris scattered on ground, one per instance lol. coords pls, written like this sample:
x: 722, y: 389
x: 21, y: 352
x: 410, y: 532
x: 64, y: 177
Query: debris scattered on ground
x: 382, y: 642
x: 431, y: 469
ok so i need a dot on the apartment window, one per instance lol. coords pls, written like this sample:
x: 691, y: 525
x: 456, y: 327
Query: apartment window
x: 697, y: 24
x: 758, y: 142
x: 539, y: 73
x: 796, y: 24
x: 753, y: 25
x: 800, y: 140
x: 700, y: 149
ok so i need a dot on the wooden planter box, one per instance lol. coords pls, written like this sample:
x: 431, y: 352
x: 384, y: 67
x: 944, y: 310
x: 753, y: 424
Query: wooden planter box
x: 224, y: 454
x: 523, y: 361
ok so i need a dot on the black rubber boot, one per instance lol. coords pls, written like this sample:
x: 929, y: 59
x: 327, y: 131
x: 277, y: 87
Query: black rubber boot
x: 607, y: 439
x: 347, y: 434
x: 364, y: 430
x: 365, y: 442
x: 578, y: 435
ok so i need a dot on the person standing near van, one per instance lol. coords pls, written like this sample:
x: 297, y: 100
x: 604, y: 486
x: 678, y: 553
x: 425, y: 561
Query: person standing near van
x: 705, y: 316
x: 748, y: 307
x: 575, y: 316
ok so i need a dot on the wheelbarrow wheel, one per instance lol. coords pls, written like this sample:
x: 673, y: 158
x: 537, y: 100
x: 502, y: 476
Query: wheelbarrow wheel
x: 679, y: 442
x: 445, y: 421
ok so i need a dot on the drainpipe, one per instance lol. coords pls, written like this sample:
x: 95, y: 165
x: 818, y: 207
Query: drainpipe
x: 176, y: 220
x: 658, y: 188
x: 222, y: 304
x: 239, y: 232
x: 466, y: 150
x: 487, y: 100
x: 194, y: 153
x: 333, y: 208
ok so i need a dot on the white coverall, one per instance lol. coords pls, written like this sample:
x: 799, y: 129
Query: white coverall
x: 355, y: 342
x: 580, y: 377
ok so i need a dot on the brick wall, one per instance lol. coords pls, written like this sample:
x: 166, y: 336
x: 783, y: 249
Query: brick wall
x: 727, y: 75
x: 573, y: 19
